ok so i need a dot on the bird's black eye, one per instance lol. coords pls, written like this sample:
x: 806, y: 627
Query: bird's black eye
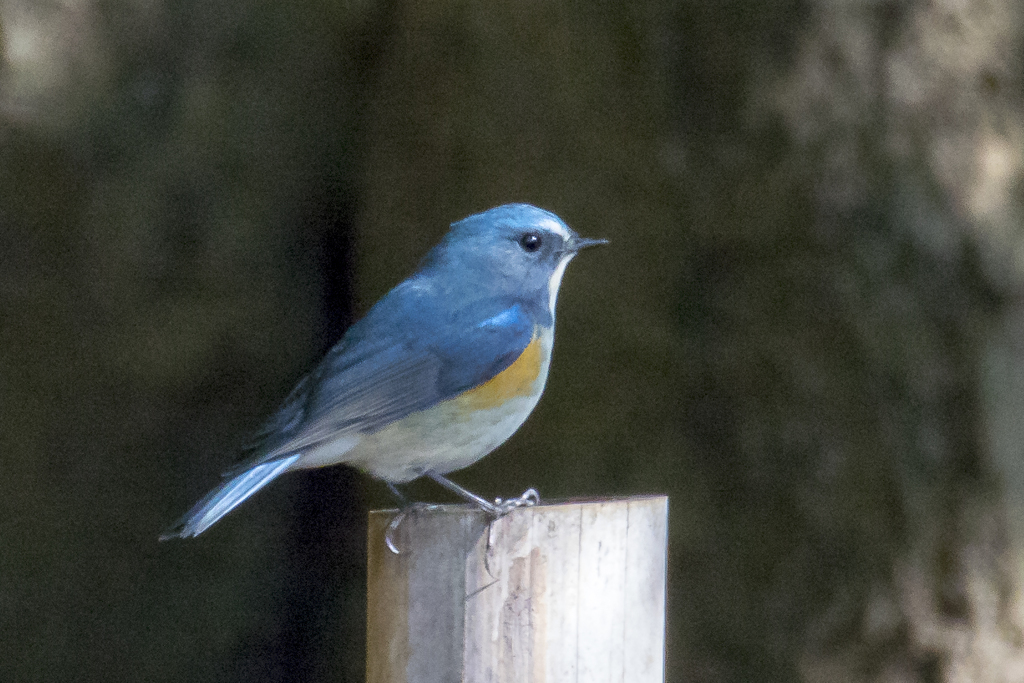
x: 530, y: 242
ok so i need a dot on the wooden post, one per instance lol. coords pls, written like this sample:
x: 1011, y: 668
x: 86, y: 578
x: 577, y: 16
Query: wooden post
x: 557, y: 593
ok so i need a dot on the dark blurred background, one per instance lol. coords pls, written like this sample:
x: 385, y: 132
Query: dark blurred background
x: 808, y: 330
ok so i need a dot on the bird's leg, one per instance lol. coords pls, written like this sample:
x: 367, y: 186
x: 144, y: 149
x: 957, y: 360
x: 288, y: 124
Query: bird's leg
x: 498, y: 508
x: 466, y: 494
x: 402, y: 499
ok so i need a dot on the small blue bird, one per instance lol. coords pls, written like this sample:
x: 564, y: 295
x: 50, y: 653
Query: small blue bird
x: 440, y: 372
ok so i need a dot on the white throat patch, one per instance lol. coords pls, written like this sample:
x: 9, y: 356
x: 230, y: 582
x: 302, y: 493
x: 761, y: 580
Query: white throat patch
x: 556, y: 280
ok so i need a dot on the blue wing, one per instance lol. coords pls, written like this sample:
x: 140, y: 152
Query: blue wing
x: 413, y: 350
x: 410, y: 352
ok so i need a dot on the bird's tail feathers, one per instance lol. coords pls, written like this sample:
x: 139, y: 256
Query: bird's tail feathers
x: 227, y: 497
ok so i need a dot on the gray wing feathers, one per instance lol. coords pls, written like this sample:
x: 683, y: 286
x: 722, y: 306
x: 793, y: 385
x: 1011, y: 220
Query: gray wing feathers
x: 346, y: 395
x: 366, y: 396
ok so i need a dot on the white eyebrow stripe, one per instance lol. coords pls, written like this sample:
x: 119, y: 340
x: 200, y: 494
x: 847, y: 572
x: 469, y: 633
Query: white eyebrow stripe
x: 554, y: 226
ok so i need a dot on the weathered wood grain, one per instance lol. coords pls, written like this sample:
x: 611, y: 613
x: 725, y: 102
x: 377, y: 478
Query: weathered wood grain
x: 558, y: 593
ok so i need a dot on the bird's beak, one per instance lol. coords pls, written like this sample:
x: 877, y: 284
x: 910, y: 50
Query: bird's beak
x: 583, y: 242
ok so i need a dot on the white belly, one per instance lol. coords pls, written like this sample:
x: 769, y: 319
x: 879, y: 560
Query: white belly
x: 440, y: 440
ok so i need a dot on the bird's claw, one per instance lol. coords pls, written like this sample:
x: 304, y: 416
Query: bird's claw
x: 529, y: 498
x: 389, y: 533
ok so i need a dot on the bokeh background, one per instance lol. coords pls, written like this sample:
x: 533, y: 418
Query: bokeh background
x: 808, y: 330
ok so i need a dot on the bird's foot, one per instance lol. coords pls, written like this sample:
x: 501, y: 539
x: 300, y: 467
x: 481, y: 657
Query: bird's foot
x: 411, y: 508
x: 529, y: 498
x: 498, y: 508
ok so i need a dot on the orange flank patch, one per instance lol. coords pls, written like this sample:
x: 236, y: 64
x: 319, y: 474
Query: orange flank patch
x: 515, y: 380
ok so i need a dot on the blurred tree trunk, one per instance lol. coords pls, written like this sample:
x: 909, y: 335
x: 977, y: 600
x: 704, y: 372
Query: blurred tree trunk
x: 910, y: 116
x: 175, y: 242
x: 846, y: 326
